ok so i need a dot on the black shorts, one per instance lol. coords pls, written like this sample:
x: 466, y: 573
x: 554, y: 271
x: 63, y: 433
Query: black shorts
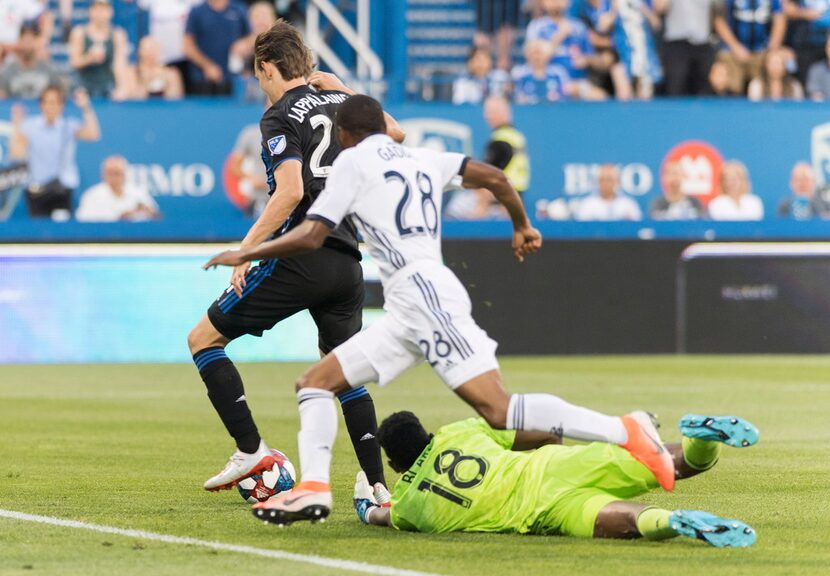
x: 326, y: 282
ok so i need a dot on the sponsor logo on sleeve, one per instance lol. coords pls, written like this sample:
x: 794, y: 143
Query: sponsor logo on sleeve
x: 276, y: 145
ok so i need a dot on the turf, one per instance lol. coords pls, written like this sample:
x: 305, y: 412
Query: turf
x: 129, y: 446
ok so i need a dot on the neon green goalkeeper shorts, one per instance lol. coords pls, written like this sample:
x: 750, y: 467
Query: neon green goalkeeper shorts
x: 583, y: 481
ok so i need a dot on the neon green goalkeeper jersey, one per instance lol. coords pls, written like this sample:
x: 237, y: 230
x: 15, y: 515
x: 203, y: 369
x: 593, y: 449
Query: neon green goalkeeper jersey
x: 468, y: 479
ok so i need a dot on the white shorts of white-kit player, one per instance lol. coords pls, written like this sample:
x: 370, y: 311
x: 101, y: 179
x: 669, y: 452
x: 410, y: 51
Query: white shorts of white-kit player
x: 428, y: 317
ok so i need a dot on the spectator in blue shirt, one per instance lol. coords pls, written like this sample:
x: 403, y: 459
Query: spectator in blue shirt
x: 569, y: 43
x: 818, y: 78
x: 631, y: 24
x: 480, y: 80
x: 804, y: 203
x: 568, y: 38
x: 606, y: 71
x: 538, y: 80
x: 748, y: 28
x: 211, y: 31
x: 809, y: 27
x: 47, y: 142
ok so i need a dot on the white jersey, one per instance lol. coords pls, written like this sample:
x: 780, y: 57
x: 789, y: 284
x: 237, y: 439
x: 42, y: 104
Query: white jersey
x: 393, y: 195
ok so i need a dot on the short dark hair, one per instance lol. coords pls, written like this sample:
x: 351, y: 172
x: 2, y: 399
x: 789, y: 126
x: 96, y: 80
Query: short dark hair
x: 403, y: 438
x: 283, y: 46
x: 361, y: 116
x: 30, y: 27
x: 474, y: 50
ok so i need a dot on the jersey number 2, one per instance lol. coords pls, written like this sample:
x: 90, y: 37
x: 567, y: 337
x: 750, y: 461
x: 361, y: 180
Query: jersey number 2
x: 428, y: 208
x: 317, y: 156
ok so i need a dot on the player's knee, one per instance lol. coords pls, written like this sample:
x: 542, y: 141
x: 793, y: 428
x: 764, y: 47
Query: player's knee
x: 193, y: 341
x: 300, y: 383
x: 308, y: 380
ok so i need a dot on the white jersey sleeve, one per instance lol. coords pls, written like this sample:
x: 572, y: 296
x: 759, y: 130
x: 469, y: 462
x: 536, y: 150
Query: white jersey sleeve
x: 451, y: 166
x: 337, y: 200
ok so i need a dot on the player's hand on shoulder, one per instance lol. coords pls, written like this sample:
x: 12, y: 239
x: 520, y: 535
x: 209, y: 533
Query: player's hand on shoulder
x: 227, y: 258
x: 327, y: 81
x: 364, y: 497
x: 526, y: 241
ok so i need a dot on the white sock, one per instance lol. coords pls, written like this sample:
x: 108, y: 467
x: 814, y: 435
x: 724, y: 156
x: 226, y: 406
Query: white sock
x: 318, y: 430
x: 549, y: 413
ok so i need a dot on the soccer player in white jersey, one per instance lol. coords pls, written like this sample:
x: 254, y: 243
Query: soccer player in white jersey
x: 392, y: 193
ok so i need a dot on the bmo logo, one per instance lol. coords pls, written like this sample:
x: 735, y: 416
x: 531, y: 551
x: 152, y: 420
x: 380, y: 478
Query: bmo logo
x: 701, y: 164
x: 193, y: 180
x: 635, y: 179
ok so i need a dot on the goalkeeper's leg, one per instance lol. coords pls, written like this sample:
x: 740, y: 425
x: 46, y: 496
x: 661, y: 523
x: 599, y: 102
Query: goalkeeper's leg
x: 631, y: 520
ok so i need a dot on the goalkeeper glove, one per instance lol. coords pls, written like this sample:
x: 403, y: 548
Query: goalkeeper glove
x: 364, y: 497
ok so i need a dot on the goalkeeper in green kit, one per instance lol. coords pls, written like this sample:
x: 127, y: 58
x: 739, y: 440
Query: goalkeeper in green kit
x: 471, y: 478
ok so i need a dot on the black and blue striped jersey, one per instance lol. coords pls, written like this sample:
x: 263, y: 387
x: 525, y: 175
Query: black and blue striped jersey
x: 300, y: 126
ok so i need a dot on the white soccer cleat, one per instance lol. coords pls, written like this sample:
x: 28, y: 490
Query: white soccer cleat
x: 306, y: 501
x: 240, y: 466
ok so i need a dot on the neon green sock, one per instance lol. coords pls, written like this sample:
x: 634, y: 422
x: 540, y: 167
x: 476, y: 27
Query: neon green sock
x: 653, y: 524
x: 701, y: 454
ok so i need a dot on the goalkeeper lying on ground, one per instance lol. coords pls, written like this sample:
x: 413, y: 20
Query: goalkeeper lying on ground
x: 472, y: 478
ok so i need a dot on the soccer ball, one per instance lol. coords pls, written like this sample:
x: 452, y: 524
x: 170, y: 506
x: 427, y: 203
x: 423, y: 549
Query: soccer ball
x: 260, y: 487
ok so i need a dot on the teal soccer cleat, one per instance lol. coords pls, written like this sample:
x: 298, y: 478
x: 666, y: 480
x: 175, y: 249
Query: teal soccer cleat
x: 719, y: 532
x: 730, y: 430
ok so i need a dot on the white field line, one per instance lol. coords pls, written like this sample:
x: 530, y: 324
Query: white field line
x: 166, y: 538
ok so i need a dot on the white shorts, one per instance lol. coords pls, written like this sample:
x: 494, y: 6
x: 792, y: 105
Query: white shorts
x: 428, y: 318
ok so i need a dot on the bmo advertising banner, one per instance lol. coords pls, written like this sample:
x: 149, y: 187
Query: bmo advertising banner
x: 200, y: 162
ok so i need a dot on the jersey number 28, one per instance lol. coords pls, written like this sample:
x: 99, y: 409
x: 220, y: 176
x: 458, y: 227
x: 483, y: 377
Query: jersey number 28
x: 428, y: 208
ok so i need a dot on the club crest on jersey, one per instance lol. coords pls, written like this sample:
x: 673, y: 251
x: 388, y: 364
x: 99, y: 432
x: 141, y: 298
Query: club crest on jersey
x: 276, y: 145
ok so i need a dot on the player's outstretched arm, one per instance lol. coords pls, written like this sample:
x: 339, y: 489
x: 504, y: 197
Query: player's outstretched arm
x: 526, y: 238
x: 306, y: 237
x: 289, y: 192
x: 328, y: 81
x: 533, y: 440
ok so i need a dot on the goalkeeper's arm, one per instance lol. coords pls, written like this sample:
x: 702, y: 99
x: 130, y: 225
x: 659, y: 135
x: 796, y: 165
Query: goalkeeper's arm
x: 366, y: 502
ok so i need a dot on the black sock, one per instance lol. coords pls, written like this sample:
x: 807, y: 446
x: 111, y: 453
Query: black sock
x: 227, y: 395
x: 359, y: 412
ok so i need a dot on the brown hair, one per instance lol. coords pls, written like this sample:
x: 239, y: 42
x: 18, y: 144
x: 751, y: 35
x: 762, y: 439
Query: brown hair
x: 52, y: 88
x: 789, y: 84
x: 283, y: 47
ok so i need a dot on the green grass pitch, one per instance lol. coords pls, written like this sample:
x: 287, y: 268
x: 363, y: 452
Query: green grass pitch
x: 129, y: 446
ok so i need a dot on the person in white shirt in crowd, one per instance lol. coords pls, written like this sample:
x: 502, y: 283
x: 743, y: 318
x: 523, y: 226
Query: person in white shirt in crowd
x: 150, y: 77
x: 15, y: 13
x: 480, y: 80
x: 167, y: 24
x: 736, y: 200
x: 114, y: 199
x: 608, y: 204
x: 775, y: 82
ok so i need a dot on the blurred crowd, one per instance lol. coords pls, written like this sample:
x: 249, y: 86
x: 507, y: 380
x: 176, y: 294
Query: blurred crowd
x: 636, y: 49
x: 191, y: 47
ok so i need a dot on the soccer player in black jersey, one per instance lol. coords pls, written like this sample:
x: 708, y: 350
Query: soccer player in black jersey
x: 298, y: 148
